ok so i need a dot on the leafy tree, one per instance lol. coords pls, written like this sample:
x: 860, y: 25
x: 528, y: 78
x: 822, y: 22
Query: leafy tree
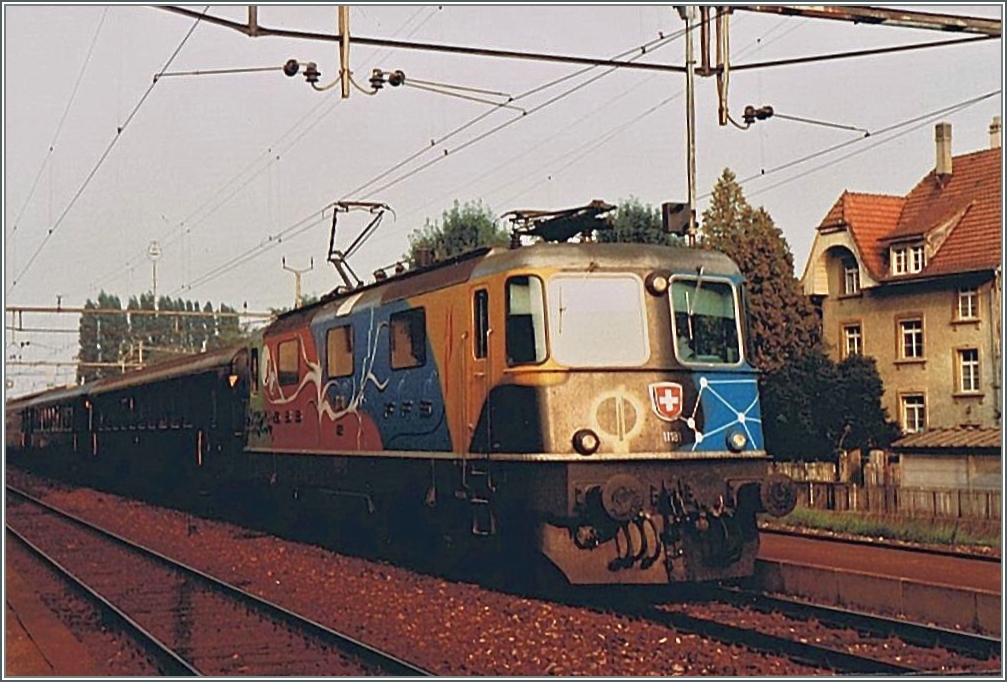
x: 813, y: 408
x: 866, y: 424
x: 461, y: 229
x: 637, y: 222
x: 783, y: 323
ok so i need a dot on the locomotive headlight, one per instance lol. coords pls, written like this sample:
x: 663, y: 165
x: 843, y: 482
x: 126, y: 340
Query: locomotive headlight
x: 586, y: 442
x: 737, y: 440
x: 657, y: 283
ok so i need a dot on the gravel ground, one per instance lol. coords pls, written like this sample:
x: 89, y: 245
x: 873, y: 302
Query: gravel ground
x: 450, y: 628
x: 112, y: 654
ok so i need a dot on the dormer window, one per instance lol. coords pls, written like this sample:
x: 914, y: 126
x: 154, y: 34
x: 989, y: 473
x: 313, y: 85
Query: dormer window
x: 851, y: 279
x: 907, y: 259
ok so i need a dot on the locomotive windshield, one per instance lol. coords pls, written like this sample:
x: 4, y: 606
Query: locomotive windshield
x: 706, y: 321
x: 597, y: 320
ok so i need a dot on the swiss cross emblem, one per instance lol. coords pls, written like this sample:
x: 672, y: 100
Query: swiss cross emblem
x: 666, y: 399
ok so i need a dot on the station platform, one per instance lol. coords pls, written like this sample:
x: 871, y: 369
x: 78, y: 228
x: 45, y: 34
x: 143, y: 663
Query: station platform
x: 37, y: 644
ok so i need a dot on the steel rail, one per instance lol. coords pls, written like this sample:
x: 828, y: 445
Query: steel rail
x: 169, y: 662
x: 387, y: 662
x: 812, y: 654
x: 643, y: 608
x: 970, y: 644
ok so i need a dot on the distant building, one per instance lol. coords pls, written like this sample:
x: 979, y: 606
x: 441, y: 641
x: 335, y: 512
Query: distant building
x: 915, y: 282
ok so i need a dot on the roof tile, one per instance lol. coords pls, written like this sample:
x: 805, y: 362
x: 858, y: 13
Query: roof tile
x: 956, y: 437
x: 972, y: 196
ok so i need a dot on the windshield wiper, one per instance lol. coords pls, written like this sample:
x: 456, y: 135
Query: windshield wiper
x: 690, y: 303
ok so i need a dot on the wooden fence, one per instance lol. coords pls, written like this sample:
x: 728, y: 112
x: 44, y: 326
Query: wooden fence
x: 948, y: 503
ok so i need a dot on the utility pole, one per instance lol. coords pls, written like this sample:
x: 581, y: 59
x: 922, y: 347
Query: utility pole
x: 297, y: 279
x: 688, y: 15
x: 344, y: 50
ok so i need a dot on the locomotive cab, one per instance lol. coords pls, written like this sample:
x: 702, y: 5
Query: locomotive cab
x: 626, y: 413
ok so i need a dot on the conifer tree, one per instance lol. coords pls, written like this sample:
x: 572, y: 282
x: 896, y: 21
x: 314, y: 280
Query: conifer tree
x: 783, y: 323
x: 87, y: 334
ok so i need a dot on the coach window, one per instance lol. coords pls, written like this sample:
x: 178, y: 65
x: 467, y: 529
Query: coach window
x: 706, y: 321
x: 289, y: 366
x: 408, y: 338
x: 525, y: 321
x: 480, y: 322
x: 339, y: 351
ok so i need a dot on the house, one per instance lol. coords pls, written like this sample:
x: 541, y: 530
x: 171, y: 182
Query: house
x: 915, y: 282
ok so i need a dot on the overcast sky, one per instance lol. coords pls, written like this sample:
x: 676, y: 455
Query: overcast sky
x: 217, y: 168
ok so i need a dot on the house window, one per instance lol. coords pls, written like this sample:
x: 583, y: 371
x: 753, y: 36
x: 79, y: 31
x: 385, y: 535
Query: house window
x: 968, y: 304
x: 339, y: 351
x: 851, y: 279
x: 968, y: 370
x: 853, y: 340
x: 914, y: 413
x: 409, y: 338
x: 907, y: 259
x: 911, y: 332
x: 899, y: 262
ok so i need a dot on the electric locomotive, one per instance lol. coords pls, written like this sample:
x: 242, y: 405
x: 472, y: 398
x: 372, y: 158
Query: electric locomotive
x: 589, y: 404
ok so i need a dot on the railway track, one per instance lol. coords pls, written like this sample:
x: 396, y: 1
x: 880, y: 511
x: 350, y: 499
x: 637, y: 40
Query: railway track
x: 816, y: 655
x: 966, y: 643
x: 188, y: 621
x: 880, y: 658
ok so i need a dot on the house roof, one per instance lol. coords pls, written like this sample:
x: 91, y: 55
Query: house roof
x: 959, y: 215
x: 950, y: 438
x: 869, y: 218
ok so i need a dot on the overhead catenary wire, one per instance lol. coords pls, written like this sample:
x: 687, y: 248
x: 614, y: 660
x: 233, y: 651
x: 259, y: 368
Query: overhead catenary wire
x: 223, y: 194
x: 290, y: 232
x: 445, y: 152
x: 59, y: 127
x: 919, y: 122
x: 218, y: 72
x: 101, y: 161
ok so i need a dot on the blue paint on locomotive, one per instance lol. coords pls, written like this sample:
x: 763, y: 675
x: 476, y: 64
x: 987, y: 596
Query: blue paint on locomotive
x: 406, y: 405
x: 729, y: 401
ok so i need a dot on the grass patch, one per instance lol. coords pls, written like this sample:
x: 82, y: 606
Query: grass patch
x: 920, y: 530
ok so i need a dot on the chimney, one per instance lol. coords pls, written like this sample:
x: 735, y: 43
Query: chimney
x: 995, y: 133
x: 942, y: 135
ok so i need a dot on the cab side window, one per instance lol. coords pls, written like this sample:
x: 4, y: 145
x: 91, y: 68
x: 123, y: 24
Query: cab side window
x: 408, y: 338
x: 525, y: 321
x: 480, y: 323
